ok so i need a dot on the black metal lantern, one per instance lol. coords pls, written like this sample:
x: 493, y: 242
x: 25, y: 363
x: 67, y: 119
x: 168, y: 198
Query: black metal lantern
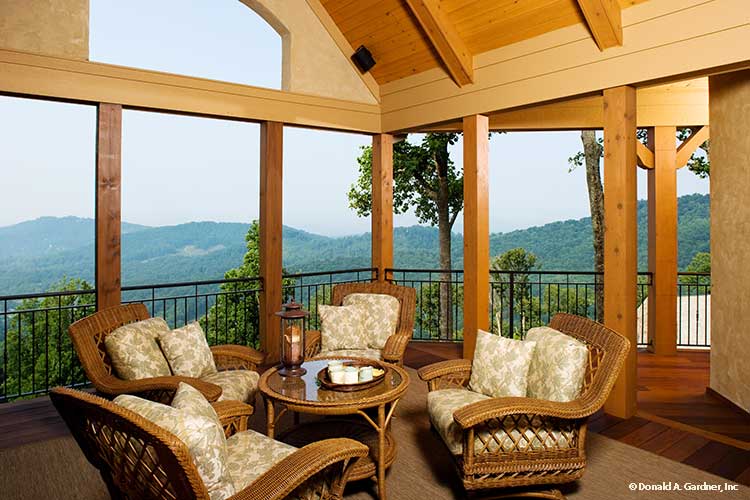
x: 292, y: 349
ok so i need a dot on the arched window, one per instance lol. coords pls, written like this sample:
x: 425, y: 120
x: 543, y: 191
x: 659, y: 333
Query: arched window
x: 221, y: 40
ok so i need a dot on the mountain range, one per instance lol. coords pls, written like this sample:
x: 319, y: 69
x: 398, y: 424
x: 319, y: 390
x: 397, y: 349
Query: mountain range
x: 36, y: 253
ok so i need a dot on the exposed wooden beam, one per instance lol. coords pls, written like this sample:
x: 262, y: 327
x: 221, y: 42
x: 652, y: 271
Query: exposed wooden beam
x: 271, y: 208
x: 604, y: 18
x: 382, y: 204
x: 476, y: 230
x: 108, y: 205
x: 645, y: 156
x: 686, y: 149
x: 454, y: 53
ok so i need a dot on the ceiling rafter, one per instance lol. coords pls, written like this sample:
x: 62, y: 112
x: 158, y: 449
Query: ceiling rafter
x: 453, y: 52
x: 604, y: 19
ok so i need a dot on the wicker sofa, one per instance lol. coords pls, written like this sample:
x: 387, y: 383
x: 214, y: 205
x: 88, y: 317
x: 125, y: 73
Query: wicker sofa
x: 516, y: 441
x: 88, y: 336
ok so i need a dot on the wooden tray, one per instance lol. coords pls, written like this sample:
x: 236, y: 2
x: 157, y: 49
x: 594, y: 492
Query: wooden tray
x: 325, y: 381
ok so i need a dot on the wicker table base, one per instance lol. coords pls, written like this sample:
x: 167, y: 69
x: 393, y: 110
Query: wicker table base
x: 345, y: 427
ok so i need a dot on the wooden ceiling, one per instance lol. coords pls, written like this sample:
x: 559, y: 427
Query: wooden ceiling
x: 407, y: 37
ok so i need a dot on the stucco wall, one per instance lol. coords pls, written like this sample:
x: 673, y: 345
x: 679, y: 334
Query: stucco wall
x: 313, y: 63
x: 51, y: 27
x: 729, y: 115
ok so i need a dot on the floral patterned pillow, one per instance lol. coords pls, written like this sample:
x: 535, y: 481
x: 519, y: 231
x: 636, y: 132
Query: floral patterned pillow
x: 381, y: 315
x: 187, y: 351
x: 558, y: 365
x: 203, y: 437
x: 134, y: 351
x: 501, y: 365
x: 342, y: 327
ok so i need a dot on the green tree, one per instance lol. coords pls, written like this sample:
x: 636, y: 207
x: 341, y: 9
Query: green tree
x: 38, y: 347
x: 426, y: 180
x: 518, y: 262
x: 701, y: 263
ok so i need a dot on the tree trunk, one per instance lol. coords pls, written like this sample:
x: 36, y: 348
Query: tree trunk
x: 444, y: 237
x: 592, y: 151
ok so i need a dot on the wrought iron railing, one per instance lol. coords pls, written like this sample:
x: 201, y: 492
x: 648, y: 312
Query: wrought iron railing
x: 694, y: 310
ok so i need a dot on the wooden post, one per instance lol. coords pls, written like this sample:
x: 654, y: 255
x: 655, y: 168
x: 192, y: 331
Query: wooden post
x: 108, y: 205
x: 271, y: 187
x: 620, y: 237
x: 662, y: 241
x: 476, y: 230
x: 382, y: 204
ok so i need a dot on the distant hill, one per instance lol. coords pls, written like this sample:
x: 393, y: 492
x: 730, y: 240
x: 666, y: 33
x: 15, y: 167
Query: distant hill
x: 36, y: 253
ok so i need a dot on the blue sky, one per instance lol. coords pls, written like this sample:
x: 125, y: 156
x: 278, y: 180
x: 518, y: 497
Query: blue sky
x: 178, y: 169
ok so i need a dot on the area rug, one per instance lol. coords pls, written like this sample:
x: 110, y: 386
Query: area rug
x: 423, y: 469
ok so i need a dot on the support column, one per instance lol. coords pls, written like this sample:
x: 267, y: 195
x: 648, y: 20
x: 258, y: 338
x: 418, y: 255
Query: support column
x: 108, y: 205
x: 620, y: 237
x: 382, y: 204
x: 662, y: 241
x: 271, y: 188
x: 476, y: 230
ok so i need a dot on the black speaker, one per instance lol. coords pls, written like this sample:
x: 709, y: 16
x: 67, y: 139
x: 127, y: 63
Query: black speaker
x: 363, y: 59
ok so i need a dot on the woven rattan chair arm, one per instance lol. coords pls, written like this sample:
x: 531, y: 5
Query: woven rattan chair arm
x: 312, y: 343
x: 299, y: 467
x: 114, y: 386
x: 481, y: 411
x: 237, y: 356
x: 395, y: 346
x: 442, y: 368
x: 233, y: 415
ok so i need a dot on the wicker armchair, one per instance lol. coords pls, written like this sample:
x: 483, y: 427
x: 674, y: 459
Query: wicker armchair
x: 138, y: 459
x: 486, y: 423
x: 395, y: 346
x: 88, y: 335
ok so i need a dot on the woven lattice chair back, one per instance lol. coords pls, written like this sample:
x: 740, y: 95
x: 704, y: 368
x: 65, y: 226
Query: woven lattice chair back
x: 607, y: 348
x: 407, y: 297
x: 136, y: 458
x: 88, y: 336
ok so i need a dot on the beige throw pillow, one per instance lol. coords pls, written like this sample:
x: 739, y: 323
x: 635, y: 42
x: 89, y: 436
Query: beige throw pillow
x: 558, y: 365
x: 342, y: 327
x: 501, y: 365
x: 134, y: 351
x: 187, y: 351
x: 380, y: 318
x: 200, y: 432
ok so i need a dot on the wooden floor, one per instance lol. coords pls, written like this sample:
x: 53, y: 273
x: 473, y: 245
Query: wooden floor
x: 671, y: 389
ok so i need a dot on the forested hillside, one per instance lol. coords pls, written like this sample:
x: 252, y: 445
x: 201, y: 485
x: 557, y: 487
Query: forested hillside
x: 34, y: 254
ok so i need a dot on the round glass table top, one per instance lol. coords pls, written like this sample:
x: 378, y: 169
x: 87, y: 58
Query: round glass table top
x: 307, y: 391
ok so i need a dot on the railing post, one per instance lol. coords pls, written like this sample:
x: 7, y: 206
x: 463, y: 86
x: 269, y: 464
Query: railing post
x: 511, y: 301
x: 382, y: 205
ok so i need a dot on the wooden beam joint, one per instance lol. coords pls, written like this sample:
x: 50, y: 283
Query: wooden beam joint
x: 604, y: 19
x: 686, y: 149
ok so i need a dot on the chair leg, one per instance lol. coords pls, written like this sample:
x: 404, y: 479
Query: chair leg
x: 550, y: 494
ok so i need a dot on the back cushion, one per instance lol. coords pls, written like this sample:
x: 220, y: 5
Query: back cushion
x: 558, y: 365
x: 381, y: 312
x: 134, y: 351
x: 187, y: 351
x: 500, y: 366
x: 342, y: 327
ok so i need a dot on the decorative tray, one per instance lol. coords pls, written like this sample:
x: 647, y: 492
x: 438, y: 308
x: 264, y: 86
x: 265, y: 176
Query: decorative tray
x: 325, y: 381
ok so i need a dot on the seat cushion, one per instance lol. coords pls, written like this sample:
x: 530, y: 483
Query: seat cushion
x: 515, y: 433
x: 557, y: 367
x: 501, y: 365
x: 236, y: 385
x: 381, y: 313
x: 134, y: 352
x: 342, y: 327
x: 353, y: 353
x: 203, y: 437
x: 251, y: 454
x: 187, y: 351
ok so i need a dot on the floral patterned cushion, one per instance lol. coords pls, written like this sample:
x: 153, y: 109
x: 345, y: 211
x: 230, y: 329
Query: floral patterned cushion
x: 557, y: 366
x: 134, y: 351
x: 236, y: 385
x: 352, y: 353
x: 501, y: 365
x: 515, y: 433
x: 381, y: 315
x: 342, y: 327
x: 187, y: 351
x: 191, y: 400
x: 203, y: 437
x: 251, y: 454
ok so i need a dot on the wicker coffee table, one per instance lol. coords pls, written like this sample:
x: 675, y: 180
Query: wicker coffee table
x: 375, y: 406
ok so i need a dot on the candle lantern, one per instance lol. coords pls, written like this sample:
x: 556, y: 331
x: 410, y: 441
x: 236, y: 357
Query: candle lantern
x: 292, y: 338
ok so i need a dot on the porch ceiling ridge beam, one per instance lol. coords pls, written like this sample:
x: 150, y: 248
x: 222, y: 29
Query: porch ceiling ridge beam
x: 453, y: 52
x: 604, y: 19
x: 686, y: 149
